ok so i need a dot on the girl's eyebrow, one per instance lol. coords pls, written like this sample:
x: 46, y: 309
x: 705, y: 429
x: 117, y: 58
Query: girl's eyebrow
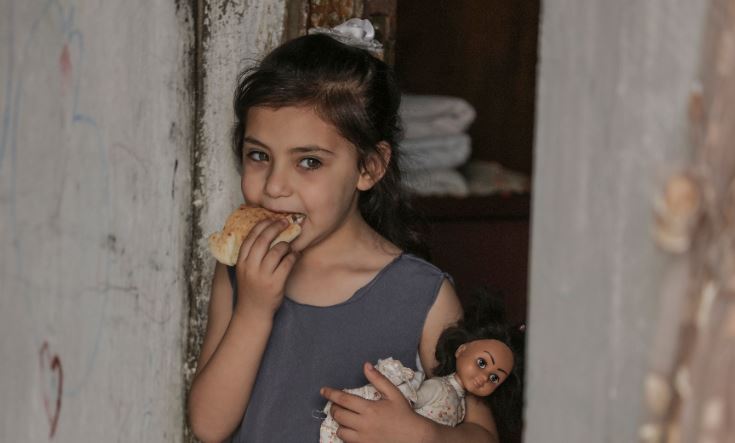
x: 311, y: 148
x: 298, y: 149
x: 255, y: 141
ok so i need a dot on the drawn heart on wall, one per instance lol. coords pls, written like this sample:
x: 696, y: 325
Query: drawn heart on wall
x: 52, y: 380
x: 73, y: 203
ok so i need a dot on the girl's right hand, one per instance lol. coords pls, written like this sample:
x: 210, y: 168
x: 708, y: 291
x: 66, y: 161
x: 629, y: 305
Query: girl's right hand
x: 262, y: 271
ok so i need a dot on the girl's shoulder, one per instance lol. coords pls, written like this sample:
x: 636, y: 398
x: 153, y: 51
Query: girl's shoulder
x: 421, y: 267
x: 410, y: 279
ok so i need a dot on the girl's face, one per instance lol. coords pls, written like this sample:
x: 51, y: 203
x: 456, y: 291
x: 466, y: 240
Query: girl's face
x: 482, y: 365
x: 293, y: 161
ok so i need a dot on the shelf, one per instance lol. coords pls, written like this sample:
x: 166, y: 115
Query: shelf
x: 511, y: 206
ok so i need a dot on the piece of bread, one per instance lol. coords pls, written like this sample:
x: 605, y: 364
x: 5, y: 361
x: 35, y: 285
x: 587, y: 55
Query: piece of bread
x: 225, y: 245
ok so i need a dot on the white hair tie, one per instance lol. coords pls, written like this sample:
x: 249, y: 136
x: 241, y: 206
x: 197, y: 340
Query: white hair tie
x: 356, y: 32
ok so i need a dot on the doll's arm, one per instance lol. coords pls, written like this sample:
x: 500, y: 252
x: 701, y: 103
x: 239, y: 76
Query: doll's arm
x: 428, y: 393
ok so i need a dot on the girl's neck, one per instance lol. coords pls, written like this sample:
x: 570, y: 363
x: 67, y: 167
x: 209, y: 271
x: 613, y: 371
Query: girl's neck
x: 354, y: 238
x: 331, y: 271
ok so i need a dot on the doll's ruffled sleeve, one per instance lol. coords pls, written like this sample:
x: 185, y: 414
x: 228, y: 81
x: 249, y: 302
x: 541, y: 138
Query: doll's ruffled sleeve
x: 440, y: 401
x: 429, y: 393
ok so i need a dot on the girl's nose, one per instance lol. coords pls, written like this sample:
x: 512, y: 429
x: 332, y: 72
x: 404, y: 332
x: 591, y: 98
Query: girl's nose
x: 276, y: 184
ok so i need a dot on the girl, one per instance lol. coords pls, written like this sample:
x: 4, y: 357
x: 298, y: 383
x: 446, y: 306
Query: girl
x: 316, y: 132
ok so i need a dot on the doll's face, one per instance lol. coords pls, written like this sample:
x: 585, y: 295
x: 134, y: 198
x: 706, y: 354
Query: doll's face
x: 482, y: 365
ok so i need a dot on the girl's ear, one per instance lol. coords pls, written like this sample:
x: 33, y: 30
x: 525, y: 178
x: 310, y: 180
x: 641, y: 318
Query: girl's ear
x: 375, y: 166
x: 460, y: 350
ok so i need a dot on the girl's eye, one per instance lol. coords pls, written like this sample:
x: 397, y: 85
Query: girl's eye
x: 481, y: 363
x: 494, y: 379
x: 310, y: 163
x: 258, y: 156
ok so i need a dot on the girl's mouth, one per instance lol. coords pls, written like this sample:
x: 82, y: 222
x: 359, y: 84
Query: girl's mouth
x: 296, y: 218
x: 292, y: 217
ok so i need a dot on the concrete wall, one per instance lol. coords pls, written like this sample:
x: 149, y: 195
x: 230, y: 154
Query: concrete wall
x: 614, y: 81
x: 97, y: 227
x: 103, y: 213
x: 95, y: 193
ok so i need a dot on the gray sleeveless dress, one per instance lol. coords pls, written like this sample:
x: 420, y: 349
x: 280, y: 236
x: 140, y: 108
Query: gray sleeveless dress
x: 312, y: 346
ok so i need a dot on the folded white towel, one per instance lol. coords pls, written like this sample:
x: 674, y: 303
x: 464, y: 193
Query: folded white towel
x: 486, y: 177
x: 428, y: 115
x: 437, y: 182
x: 441, y: 152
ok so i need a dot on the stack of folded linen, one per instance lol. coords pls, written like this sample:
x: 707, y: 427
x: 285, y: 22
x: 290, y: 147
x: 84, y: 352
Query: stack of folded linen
x: 487, y: 177
x: 435, y: 143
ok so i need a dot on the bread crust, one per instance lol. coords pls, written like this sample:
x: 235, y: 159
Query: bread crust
x: 225, y: 245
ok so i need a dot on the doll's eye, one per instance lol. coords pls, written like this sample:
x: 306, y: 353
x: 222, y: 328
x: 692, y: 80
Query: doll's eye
x: 494, y: 379
x: 481, y: 363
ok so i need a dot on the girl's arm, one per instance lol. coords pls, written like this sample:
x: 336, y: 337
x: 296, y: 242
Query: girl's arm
x: 391, y: 418
x: 236, y: 339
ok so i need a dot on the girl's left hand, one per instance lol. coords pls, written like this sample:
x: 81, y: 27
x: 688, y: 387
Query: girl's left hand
x: 388, y: 419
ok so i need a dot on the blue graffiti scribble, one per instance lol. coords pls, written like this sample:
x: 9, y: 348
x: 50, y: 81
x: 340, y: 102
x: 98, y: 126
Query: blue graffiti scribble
x: 12, y: 110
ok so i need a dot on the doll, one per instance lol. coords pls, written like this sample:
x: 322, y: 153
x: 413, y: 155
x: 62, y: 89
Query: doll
x: 479, y: 356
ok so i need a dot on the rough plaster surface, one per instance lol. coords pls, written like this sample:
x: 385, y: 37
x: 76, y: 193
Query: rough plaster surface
x: 95, y: 140
x: 614, y: 81
x: 234, y: 35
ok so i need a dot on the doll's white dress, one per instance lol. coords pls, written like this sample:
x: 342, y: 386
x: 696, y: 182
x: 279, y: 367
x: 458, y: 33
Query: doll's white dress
x: 440, y: 399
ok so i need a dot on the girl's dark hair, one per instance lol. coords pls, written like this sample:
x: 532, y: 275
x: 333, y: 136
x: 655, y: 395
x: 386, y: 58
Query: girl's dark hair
x: 485, y: 319
x: 358, y: 94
